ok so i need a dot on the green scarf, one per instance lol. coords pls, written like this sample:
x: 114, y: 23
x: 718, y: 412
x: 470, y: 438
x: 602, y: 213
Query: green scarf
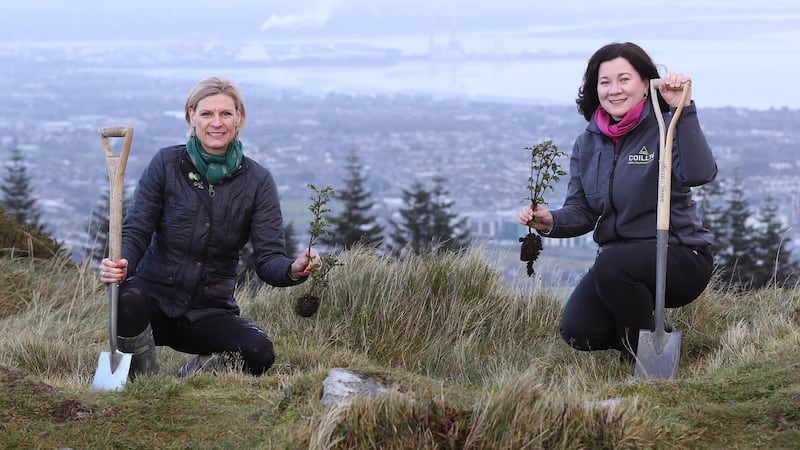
x: 215, y: 168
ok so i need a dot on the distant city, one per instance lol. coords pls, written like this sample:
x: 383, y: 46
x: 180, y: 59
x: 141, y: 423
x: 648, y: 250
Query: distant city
x: 59, y: 96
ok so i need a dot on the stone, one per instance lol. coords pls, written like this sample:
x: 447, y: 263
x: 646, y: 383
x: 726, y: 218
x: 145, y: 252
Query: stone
x: 341, y: 386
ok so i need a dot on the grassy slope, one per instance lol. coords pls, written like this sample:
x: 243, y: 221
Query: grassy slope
x: 469, y: 364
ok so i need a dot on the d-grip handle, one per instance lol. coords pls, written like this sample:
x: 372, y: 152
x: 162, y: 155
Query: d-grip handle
x: 656, y: 82
x: 117, y: 132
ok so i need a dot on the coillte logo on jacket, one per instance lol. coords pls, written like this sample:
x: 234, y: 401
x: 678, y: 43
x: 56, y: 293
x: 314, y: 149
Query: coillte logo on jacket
x: 642, y: 157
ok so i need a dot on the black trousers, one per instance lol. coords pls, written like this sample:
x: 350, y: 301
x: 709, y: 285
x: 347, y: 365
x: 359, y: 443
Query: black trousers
x: 227, y: 334
x: 616, y: 297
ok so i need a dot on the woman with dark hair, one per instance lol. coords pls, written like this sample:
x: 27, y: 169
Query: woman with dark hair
x: 196, y: 205
x: 613, y: 190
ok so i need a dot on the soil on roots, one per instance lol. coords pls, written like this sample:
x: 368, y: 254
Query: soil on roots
x: 306, y: 305
x: 530, y: 249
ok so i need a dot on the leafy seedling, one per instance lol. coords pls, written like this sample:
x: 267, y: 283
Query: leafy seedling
x: 307, y: 304
x: 545, y: 173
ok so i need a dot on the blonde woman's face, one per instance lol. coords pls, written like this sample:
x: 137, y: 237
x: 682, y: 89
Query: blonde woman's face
x: 215, y: 120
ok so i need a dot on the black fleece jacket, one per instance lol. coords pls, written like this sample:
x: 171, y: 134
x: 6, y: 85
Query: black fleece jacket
x: 613, y: 189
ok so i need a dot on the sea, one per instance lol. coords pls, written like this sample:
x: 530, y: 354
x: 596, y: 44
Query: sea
x: 755, y: 73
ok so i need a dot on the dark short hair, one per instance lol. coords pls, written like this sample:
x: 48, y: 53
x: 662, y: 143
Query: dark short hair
x: 588, y: 100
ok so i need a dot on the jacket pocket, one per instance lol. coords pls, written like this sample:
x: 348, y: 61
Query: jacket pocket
x: 158, y: 272
x: 594, y: 175
x: 219, y: 287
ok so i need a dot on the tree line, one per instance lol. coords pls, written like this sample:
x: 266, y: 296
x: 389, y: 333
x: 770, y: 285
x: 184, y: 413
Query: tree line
x: 426, y: 222
x: 752, y: 247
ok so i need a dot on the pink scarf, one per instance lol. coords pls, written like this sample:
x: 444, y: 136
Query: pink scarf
x: 615, y: 131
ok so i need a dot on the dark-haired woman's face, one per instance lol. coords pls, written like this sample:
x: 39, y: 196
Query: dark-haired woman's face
x: 619, y: 87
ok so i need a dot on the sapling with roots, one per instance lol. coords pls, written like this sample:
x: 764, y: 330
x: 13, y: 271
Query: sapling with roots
x: 307, y: 304
x: 545, y: 173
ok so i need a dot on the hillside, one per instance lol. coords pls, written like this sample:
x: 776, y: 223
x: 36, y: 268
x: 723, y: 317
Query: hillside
x: 468, y: 364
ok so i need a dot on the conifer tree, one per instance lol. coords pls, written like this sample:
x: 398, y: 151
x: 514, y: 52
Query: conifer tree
x: 711, y: 198
x: 450, y: 231
x: 749, y: 253
x: 772, y: 262
x: 18, y: 199
x: 736, y: 257
x: 412, y: 231
x: 427, y: 222
x: 355, y: 224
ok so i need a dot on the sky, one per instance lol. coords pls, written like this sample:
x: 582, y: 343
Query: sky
x: 87, y: 19
x: 743, y: 52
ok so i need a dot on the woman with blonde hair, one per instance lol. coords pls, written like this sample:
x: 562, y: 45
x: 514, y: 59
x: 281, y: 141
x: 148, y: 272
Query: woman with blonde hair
x: 195, y: 206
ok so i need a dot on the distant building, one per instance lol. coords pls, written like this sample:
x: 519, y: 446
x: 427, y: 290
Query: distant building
x: 502, y: 226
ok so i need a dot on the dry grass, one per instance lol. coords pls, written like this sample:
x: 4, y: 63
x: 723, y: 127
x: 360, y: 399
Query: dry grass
x: 469, y: 362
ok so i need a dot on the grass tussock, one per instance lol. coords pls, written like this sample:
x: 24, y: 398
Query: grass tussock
x: 467, y: 361
x: 443, y: 316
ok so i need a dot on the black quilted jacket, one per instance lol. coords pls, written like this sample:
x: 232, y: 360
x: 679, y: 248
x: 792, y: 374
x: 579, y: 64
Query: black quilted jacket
x: 182, y: 237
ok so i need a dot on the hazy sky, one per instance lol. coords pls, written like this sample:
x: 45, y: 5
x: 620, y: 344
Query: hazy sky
x: 742, y: 50
x: 103, y: 19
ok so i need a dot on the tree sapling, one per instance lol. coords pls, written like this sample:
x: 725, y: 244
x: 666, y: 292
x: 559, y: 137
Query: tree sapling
x: 307, y: 304
x: 545, y: 173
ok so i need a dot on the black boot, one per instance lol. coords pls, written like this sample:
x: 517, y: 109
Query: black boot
x: 198, y: 364
x: 143, y: 349
x: 212, y: 364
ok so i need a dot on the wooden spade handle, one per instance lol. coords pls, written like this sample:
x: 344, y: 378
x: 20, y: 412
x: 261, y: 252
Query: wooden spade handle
x: 116, y: 177
x: 665, y: 153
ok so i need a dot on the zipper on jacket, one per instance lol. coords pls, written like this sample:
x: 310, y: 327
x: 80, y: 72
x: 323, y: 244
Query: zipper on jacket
x: 611, y: 204
x: 211, y: 192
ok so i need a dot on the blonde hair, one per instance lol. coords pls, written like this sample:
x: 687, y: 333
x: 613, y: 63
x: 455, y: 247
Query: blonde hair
x: 212, y: 86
